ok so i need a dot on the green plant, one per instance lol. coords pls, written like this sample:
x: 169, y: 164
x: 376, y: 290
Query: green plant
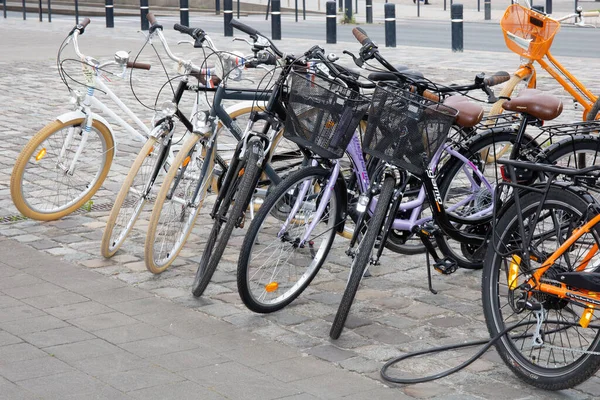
x: 346, y: 20
x: 88, y: 206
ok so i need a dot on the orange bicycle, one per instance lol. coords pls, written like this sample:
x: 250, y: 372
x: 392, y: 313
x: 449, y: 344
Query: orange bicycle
x: 542, y: 275
x: 530, y: 34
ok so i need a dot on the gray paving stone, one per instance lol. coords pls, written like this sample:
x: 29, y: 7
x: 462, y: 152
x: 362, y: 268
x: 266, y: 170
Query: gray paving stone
x: 35, y: 324
x: 78, y: 310
x: 80, y: 350
x: 181, y: 391
x: 103, y: 321
x: 118, y: 295
x: 379, y: 394
x: 7, y: 301
x: 136, y: 379
x: 28, y: 369
x: 19, y: 280
x: 19, y: 352
x: 331, y: 353
x: 294, y: 369
x: 129, y: 333
x: 67, y: 384
x: 256, y: 353
x: 10, y: 391
x: 383, y: 334
x: 55, y: 300
x: 34, y: 290
x: 188, y: 359
x: 335, y: 384
x: 117, y: 361
x: 18, y: 313
x: 157, y: 346
x: 53, y: 337
x: 7, y: 338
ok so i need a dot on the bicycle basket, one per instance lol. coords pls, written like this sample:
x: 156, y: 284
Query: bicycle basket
x: 404, y: 126
x: 322, y: 115
x: 527, y: 32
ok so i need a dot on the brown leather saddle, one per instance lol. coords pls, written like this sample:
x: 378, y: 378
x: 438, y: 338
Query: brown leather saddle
x: 535, y: 103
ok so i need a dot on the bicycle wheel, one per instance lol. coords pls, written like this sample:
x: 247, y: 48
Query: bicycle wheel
x: 241, y: 191
x: 273, y: 269
x: 137, y: 189
x: 177, y: 206
x: 363, y: 256
x: 594, y: 112
x: 561, y: 362
x: 43, y: 184
x: 467, y: 200
x: 578, y: 151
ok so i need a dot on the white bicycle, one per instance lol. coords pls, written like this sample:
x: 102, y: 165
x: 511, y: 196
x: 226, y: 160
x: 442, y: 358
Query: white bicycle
x: 578, y: 18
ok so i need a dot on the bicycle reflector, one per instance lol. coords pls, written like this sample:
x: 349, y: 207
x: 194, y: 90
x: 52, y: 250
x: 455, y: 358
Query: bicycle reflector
x: 586, y: 317
x: 41, y: 154
x: 513, y: 272
x: 271, y: 287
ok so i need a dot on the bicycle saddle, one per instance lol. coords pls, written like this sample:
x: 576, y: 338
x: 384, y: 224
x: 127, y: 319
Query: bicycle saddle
x: 390, y: 76
x: 535, y: 103
x: 469, y: 113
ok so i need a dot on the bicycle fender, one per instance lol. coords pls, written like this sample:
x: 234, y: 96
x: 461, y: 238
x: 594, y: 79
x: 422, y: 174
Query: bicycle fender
x: 341, y: 191
x: 77, y: 114
x: 243, y: 105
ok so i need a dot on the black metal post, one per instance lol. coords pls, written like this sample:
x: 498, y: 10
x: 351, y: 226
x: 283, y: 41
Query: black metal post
x: 227, y: 17
x: 390, y: 24
x: 356, y: 7
x: 276, y: 19
x: 49, y: 10
x: 549, y: 6
x: 238, y: 9
x: 487, y: 9
x: 331, y: 23
x: 268, y: 7
x: 184, y: 12
x: 143, y: 13
x: 419, y: 8
x: 369, y: 11
x: 304, y: 10
x: 341, y: 5
x: 348, y: 10
x: 217, y: 7
x: 110, y: 13
x: 456, y: 15
x: 4, y: 7
x: 76, y: 11
x: 444, y: 5
x: 296, y: 8
x: 40, y: 9
x: 24, y: 11
x: 478, y: 5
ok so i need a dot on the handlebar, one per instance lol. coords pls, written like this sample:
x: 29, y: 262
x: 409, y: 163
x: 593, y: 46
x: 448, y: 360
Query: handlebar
x: 362, y: 36
x: 254, y: 34
x: 496, y: 79
x: 138, y: 65
x: 193, y: 32
x: 151, y: 18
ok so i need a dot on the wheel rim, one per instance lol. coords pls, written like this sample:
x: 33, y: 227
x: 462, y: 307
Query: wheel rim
x: 277, y: 267
x: 47, y: 184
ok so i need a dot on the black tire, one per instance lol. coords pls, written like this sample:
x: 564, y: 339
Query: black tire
x: 544, y: 367
x: 466, y: 256
x: 363, y: 256
x: 594, y: 113
x: 218, y: 238
x: 578, y: 151
x: 288, y: 277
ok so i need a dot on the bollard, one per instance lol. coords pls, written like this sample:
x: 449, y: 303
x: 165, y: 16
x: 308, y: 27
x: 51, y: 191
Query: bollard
x: 110, y: 15
x: 217, y: 7
x: 538, y: 8
x: 143, y: 13
x: 276, y: 19
x: 40, y: 9
x: 390, y: 24
x: 487, y: 9
x: 4, y: 7
x: 348, y: 11
x: 24, y: 11
x: 331, y: 23
x: 341, y: 5
x: 76, y: 11
x: 238, y: 9
x: 369, y: 11
x: 304, y: 10
x: 296, y: 9
x: 418, y: 8
x: 228, y: 16
x: 549, y: 6
x: 49, y: 11
x: 478, y: 5
x: 184, y: 13
x: 456, y: 15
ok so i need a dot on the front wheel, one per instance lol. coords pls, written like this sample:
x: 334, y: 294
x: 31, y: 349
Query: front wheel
x: 363, y: 256
x: 46, y: 184
x: 231, y: 212
x: 278, y: 260
x: 564, y: 359
x: 594, y: 112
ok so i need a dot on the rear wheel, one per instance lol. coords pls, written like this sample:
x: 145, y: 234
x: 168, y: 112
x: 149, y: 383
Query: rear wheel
x: 275, y: 264
x: 563, y: 360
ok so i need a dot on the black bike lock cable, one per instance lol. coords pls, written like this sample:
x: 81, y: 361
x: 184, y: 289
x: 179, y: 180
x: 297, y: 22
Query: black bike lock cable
x: 487, y: 344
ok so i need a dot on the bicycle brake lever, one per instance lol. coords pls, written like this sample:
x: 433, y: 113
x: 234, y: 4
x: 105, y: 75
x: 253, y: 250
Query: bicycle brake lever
x: 358, y: 61
x: 185, y: 41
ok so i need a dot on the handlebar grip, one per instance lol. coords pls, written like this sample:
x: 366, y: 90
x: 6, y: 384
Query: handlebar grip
x: 431, y: 96
x: 151, y: 18
x: 85, y: 22
x: 183, y: 29
x: 361, y: 36
x: 496, y: 79
x: 590, y: 14
x: 243, y: 27
x: 138, y: 65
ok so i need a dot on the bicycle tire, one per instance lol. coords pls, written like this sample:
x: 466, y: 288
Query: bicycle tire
x: 218, y: 238
x: 453, y: 168
x: 565, y: 151
x: 363, y: 256
x: 87, y: 187
x: 287, y: 278
x: 115, y: 234
x: 531, y: 368
x: 594, y: 113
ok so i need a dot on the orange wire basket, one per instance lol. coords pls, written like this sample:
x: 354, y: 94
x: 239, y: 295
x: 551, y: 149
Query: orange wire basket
x: 527, y: 32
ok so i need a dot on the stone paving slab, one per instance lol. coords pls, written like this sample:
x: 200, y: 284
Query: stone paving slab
x: 72, y: 286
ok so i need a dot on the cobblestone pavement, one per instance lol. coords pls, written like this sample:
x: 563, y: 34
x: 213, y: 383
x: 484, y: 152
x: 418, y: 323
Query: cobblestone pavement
x: 394, y: 312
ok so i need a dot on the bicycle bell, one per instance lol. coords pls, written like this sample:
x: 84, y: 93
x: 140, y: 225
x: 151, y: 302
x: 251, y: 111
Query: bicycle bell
x: 121, y: 57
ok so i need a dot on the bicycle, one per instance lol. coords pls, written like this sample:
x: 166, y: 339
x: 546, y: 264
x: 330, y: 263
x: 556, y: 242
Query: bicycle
x: 65, y: 163
x: 156, y: 154
x: 578, y: 18
x: 541, y: 277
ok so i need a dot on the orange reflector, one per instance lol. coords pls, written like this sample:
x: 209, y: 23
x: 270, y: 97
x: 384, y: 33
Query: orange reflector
x: 150, y: 152
x: 186, y: 161
x: 586, y: 317
x: 513, y: 272
x: 271, y: 287
x: 41, y: 154
x: 241, y: 172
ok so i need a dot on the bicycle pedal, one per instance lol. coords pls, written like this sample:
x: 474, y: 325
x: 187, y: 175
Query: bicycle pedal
x: 429, y: 229
x: 446, y: 266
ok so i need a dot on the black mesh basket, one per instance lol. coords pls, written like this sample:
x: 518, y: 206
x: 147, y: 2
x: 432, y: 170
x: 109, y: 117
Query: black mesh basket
x: 404, y: 126
x: 322, y: 114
